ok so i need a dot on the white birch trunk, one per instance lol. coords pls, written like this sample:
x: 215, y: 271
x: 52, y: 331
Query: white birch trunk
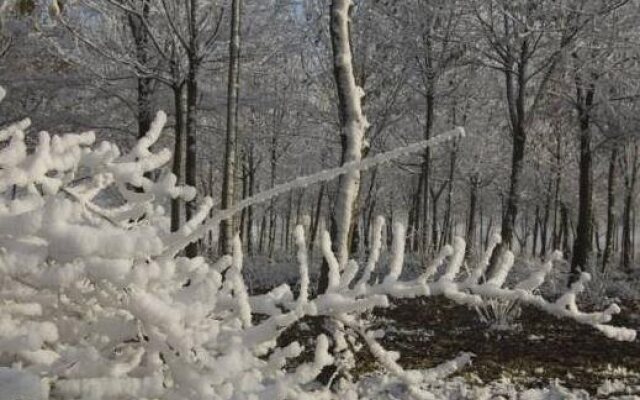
x: 353, y: 125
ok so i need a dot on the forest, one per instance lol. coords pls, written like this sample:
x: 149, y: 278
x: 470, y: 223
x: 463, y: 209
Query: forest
x: 319, y: 199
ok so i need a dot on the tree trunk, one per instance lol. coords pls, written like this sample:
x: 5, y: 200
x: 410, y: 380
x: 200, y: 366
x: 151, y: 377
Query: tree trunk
x: 583, y: 247
x: 544, y: 224
x: 250, y: 210
x: 370, y: 207
x: 245, y: 193
x: 426, y: 163
x: 516, y: 107
x: 471, y: 223
x: 352, y: 127
x: 565, y: 232
x: 630, y: 183
x: 536, y: 230
x: 511, y: 213
x: 556, y: 202
x: 191, y: 172
x: 273, y: 225
x: 178, y: 150
x: 263, y: 228
x: 516, y: 94
x: 435, y: 231
x: 611, y: 202
x: 289, y: 219
x: 316, y: 219
x: 414, y: 218
x: 434, y: 222
x: 227, y: 227
x: 447, y: 222
x: 488, y: 233
x: 144, y: 82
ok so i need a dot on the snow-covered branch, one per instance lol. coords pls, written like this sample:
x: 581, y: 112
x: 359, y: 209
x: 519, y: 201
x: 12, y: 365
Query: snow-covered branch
x: 94, y: 303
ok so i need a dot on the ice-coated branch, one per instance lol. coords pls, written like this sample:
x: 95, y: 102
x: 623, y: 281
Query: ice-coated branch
x: 319, y: 177
x: 96, y: 303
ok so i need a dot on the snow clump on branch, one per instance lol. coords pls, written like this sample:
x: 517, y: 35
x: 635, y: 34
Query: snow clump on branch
x: 95, y: 303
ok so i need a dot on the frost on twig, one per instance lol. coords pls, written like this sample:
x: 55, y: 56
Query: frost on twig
x: 95, y: 303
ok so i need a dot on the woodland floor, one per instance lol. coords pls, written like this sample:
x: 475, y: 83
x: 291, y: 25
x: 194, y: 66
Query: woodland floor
x: 540, y: 347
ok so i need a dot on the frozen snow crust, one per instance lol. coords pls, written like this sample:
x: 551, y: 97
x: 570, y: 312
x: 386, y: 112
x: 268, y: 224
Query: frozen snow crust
x: 97, y: 303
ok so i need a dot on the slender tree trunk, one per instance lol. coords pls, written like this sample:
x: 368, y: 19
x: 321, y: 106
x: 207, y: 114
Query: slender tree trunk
x: 191, y: 172
x: 488, y: 233
x: 471, y: 222
x: 516, y: 95
x: 316, y: 219
x: 273, y: 177
x: 616, y: 236
x: 481, y: 233
x: 583, y: 248
x: 229, y: 175
x: 536, y: 230
x: 435, y: 236
x: 353, y: 125
x: 447, y: 221
x: 544, y: 224
x: 596, y: 238
x: 144, y: 82
x: 426, y: 162
x: 370, y: 207
x: 513, y: 197
x: 414, y: 217
x: 508, y: 221
x: 273, y: 225
x: 263, y: 228
x: 287, y: 228
x: 630, y: 183
x: 250, y: 210
x: 565, y: 230
x: 245, y: 193
x: 556, y: 202
x: 178, y: 150
x: 300, y: 217
x: 611, y: 202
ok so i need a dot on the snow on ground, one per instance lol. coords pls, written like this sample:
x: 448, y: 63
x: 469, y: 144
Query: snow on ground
x: 383, y: 387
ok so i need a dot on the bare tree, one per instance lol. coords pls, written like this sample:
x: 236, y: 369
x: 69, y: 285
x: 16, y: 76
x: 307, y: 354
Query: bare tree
x: 353, y: 125
x: 228, y: 191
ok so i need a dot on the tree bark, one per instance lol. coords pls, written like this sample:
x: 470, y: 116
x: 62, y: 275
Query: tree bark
x: 517, y: 115
x: 191, y: 172
x: 144, y: 81
x: 245, y: 193
x: 316, y: 219
x: 250, y: 211
x: 447, y: 221
x: 352, y: 127
x: 630, y: 184
x: 557, y: 225
x: 426, y: 161
x: 227, y: 227
x: 178, y: 150
x: 583, y: 247
x: 435, y: 232
x: 544, y: 224
x: 611, y: 202
x: 471, y: 222
x: 536, y: 231
x: 516, y: 96
x: 566, y: 230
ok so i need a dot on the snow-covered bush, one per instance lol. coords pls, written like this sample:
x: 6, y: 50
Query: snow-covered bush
x: 95, y: 303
